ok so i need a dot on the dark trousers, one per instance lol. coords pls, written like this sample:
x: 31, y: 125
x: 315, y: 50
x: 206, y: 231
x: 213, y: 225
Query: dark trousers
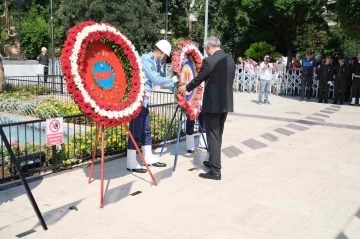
x: 191, y: 123
x: 355, y: 88
x: 306, y: 81
x: 140, y: 129
x: 214, y: 131
x: 339, y: 86
x: 46, y: 73
x: 348, y: 89
x: 323, y: 90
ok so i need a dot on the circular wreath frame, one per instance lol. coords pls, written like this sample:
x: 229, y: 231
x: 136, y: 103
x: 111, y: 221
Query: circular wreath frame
x: 186, y: 48
x: 72, y: 63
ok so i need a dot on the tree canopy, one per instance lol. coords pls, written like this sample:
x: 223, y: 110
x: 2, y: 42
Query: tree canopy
x: 348, y: 13
x: 292, y: 26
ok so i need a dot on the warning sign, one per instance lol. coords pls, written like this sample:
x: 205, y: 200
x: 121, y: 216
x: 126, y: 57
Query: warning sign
x: 54, y: 131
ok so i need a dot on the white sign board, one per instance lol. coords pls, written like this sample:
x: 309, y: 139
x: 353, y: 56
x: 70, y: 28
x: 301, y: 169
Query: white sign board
x: 54, y: 131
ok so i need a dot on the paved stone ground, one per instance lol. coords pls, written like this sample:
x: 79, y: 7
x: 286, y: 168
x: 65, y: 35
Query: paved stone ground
x: 290, y: 170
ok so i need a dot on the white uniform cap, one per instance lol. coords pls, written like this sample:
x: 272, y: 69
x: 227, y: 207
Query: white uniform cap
x: 43, y: 49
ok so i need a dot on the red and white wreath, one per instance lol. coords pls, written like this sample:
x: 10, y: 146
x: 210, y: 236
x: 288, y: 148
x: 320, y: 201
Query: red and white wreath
x: 186, y: 63
x: 103, y: 73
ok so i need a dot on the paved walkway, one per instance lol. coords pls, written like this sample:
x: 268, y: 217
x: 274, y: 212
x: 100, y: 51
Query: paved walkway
x: 290, y: 170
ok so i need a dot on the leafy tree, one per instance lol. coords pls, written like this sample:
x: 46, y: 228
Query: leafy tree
x: 284, y: 17
x: 35, y: 26
x: 138, y: 19
x: 311, y: 37
x: 227, y: 21
x: 258, y: 50
x: 348, y: 13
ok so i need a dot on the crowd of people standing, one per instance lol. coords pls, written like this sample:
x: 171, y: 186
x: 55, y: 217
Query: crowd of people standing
x: 343, y: 74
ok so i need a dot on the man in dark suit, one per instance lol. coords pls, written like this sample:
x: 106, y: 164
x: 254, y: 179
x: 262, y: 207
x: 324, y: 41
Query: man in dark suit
x: 218, y: 72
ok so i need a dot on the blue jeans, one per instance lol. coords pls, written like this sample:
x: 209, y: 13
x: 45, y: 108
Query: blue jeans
x: 265, y: 86
x: 140, y: 129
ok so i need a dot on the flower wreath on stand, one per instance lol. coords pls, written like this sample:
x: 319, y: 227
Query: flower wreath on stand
x: 186, y: 63
x: 103, y: 73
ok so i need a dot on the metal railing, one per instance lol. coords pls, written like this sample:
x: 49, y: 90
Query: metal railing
x: 287, y: 82
x: 34, y: 156
x: 55, y: 87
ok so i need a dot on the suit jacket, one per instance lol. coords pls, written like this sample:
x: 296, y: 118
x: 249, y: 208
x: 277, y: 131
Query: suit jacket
x: 218, y: 72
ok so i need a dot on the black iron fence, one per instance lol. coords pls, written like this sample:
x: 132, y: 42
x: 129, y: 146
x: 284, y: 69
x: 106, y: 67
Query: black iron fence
x: 28, y: 138
x: 55, y: 87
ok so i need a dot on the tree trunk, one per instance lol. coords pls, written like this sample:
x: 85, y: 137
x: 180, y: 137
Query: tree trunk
x: 2, y: 77
x: 289, y: 50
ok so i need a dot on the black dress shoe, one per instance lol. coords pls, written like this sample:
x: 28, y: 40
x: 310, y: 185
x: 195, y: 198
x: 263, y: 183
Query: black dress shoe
x: 207, y: 164
x: 210, y: 175
x: 158, y: 164
x: 335, y: 103
x: 191, y: 151
x: 341, y: 103
x: 137, y: 170
x: 320, y: 101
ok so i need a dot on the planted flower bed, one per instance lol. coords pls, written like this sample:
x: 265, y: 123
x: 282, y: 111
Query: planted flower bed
x: 79, y: 146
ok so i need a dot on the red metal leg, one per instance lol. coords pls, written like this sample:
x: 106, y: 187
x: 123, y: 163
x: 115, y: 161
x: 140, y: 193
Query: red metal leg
x: 141, y: 155
x: 94, y: 154
x: 102, y: 167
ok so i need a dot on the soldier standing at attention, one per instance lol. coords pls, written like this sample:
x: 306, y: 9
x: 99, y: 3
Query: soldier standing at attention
x: 356, y: 81
x: 43, y: 59
x: 325, y: 77
x: 341, y: 75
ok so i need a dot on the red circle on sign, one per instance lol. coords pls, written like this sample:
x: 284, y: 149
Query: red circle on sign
x: 98, y: 54
x: 54, y: 126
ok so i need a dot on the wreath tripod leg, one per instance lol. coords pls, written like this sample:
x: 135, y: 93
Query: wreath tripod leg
x: 102, y: 166
x: 177, y: 143
x: 140, y: 154
x: 168, y: 131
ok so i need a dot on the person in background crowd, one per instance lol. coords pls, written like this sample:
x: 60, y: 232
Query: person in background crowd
x: 296, y: 63
x: 356, y: 81
x: 265, y: 73
x: 250, y: 67
x: 43, y: 59
x: 140, y: 127
x: 341, y: 76
x: 332, y: 61
x: 319, y: 61
x: 309, y: 68
x: 349, y: 79
x: 280, y: 66
x: 280, y: 72
x: 325, y: 77
x: 240, y: 62
x: 313, y: 55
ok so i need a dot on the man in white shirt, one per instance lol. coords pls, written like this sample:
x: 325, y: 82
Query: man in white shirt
x: 266, y: 70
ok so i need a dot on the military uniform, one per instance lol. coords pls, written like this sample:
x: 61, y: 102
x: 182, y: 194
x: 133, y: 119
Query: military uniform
x: 325, y: 76
x: 190, y: 142
x: 341, y: 75
x: 140, y: 126
x: 356, y: 82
